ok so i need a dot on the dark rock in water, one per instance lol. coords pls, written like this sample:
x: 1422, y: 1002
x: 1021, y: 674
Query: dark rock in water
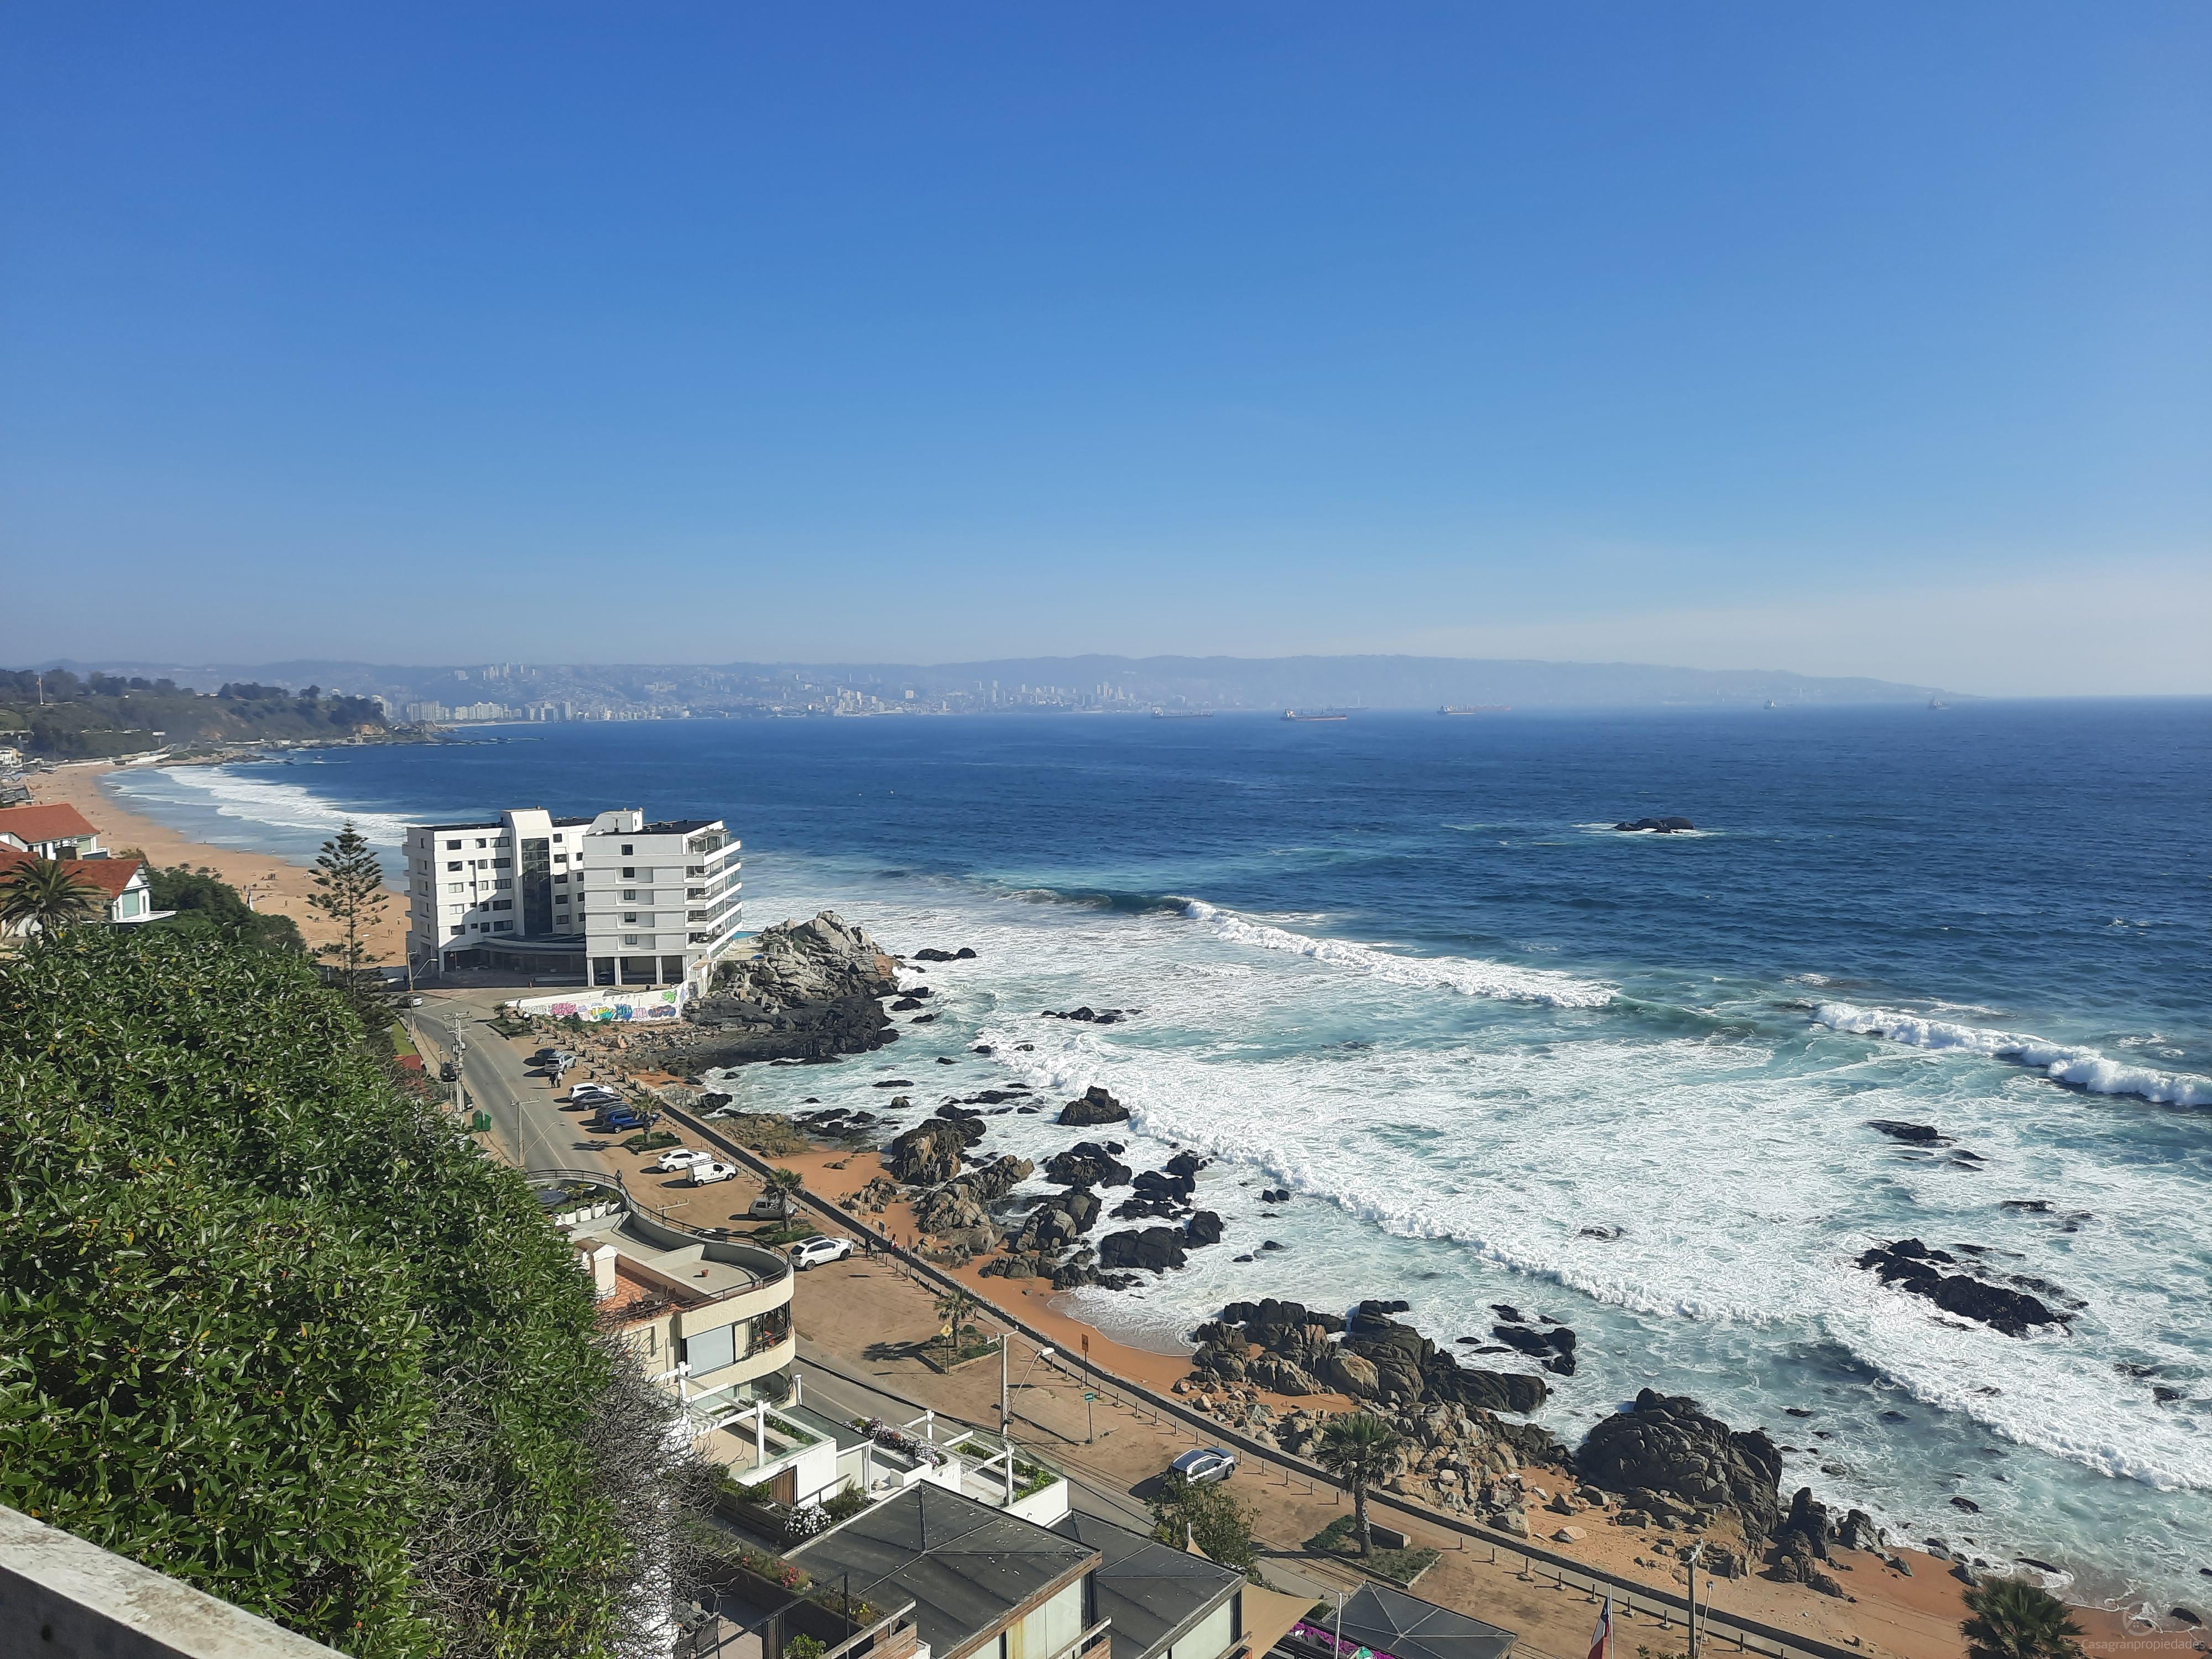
x: 1917, y: 1135
x: 1156, y: 1250
x: 1081, y: 1205
x: 1095, y: 1107
x: 1270, y: 1244
x: 1661, y: 826
x: 1158, y: 1184
x: 1554, y: 1348
x: 1607, y: 1234
x: 1267, y: 1313
x: 2163, y: 1394
x: 1203, y: 1228
x: 1796, y: 1411
x: 982, y: 1048
x: 1276, y: 1196
x: 963, y: 954
x: 1137, y: 1209
x: 1402, y: 1367
x: 1968, y: 1505
x: 1666, y: 1443
x: 959, y: 1114
x: 1243, y: 1258
x: 2032, y: 1206
x: 1086, y: 1164
x: 1911, y: 1266
x: 892, y: 1082
x: 1090, y: 1016
x: 1186, y: 1165
x: 2030, y: 1561
x: 906, y: 1005
x: 2185, y: 1616
x: 925, y: 1019
x: 1507, y: 1311
x: 1373, y: 1309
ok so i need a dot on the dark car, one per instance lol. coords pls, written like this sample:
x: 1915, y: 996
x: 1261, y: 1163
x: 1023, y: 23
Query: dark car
x: 623, y: 1117
x: 449, y: 1073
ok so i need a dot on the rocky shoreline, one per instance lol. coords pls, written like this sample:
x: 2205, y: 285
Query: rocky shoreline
x: 817, y: 990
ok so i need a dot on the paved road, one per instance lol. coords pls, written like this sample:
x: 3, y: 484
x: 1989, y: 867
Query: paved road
x: 528, y: 1125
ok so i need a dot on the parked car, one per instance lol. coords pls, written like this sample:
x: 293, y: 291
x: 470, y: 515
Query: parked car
x: 593, y: 1094
x: 449, y: 1073
x: 623, y: 1117
x: 813, y: 1252
x: 553, y: 1057
x: 771, y: 1206
x: 680, y: 1157
x: 1204, y: 1465
x: 706, y: 1170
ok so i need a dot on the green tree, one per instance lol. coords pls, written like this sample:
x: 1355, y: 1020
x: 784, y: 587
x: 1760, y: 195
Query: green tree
x: 45, y: 895
x: 1211, y: 1516
x: 349, y: 890
x: 2012, y: 1618
x: 956, y: 1308
x: 785, y: 1184
x: 270, y: 1326
x: 1360, y: 1448
x: 204, y: 903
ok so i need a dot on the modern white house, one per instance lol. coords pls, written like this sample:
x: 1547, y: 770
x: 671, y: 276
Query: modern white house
x: 609, y: 901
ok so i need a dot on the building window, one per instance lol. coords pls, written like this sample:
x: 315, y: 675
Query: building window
x: 502, y: 904
x: 505, y: 881
x: 629, y: 938
x: 671, y: 968
x: 458, y: 928
x: 455, y: 865
x: 628, y: 849
x: 455, y: 886
x: 452, y: 846
x: 481, y: 841
x: 603, y: 970
x: 629, y: 872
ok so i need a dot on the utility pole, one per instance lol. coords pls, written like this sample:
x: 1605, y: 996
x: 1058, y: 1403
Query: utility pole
x: 1696, y: 1550
x: 1003, y: 1337
x: 1090, y: 1393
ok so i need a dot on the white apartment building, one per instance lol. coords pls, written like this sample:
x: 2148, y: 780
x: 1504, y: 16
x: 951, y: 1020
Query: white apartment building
x: 609, y: 901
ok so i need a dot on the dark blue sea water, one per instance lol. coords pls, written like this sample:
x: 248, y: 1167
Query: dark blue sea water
x: 1502, y: 1052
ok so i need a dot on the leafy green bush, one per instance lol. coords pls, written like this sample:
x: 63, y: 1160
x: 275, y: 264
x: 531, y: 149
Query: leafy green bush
x: 275, y: 1328
x: 1219, y: 1520
x: 208, y: 905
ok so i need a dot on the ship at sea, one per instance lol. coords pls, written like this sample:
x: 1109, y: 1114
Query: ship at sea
x: 1182, y: 714
x: 1476, y: 708
x: 1315, y: 714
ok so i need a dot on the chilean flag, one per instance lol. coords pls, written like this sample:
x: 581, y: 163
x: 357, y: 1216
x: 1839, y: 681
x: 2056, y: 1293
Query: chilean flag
x: 1601, y: 1642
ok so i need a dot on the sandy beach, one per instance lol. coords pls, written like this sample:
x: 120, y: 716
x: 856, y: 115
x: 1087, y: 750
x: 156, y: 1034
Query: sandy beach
x: 271, y: 883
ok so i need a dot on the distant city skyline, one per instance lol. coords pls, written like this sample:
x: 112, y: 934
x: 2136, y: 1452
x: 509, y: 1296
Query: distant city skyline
x: 1868, y: 341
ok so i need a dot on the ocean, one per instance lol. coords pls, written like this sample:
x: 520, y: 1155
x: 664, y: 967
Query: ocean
x: 1500, y: 1052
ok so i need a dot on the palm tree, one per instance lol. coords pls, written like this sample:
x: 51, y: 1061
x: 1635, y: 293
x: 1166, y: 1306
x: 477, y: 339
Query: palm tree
x: 954, y: 1308
x: 785, y: 1184
x: 2016, y: 1619
x: 44, y: 896
x: 1359, y: 1447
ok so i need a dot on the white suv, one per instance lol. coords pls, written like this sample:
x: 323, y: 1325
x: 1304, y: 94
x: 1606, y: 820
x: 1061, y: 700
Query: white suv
x: 813, y: 1252
x: 678, y: 1158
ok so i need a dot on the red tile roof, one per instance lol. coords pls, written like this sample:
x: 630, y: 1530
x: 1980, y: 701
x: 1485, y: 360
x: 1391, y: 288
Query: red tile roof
x: 32, y: 824
x: 111, y: 876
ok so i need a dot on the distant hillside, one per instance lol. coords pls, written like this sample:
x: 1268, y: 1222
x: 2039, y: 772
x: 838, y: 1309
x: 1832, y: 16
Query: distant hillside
x: 594, y: 691
x: 58, y: 715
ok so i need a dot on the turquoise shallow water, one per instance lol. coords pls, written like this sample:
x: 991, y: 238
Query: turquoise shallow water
x: 1502, y: 1053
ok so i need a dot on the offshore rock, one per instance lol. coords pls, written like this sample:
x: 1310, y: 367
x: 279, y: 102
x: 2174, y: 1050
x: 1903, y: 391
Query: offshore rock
x: 1658, y: 826
x: 805, y: 962
x: 1665, y: 1444
x: 1086, y: 1164
x: 1095, y: 1107
x: 810, y: 993
x: 929, y: 1154
x: 1154, y: 1248
x: 1911, y: 1265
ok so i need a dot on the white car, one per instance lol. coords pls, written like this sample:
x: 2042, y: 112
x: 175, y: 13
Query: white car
x: 593, y: 1094
x: 680, y: 1157
x: 1206, y: 1464
x: 813, y: 1252
x: 706, y: 1170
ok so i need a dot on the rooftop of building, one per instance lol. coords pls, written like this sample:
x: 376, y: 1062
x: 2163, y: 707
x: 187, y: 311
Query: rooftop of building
x: 687, y: 1273
x: 1394, y: 1622
x: 965, y: 1566
x: 676, y: 826
x: 32, y: 824
x: 110, y: 876
x: 1154, y: 1592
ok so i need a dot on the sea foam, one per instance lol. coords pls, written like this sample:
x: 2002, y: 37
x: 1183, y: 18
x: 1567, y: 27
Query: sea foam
x: 1468, y: 976
x: 2084, y: 1068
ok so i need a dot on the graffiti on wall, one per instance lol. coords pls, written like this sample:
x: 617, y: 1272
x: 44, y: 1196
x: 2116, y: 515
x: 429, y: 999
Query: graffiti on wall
x: 606, y: 1009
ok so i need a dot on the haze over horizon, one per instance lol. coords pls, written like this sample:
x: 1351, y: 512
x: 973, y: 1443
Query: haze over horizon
x: 1844, y: 341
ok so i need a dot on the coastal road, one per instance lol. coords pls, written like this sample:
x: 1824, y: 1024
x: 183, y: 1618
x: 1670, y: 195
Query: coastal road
x: 527, y: 1123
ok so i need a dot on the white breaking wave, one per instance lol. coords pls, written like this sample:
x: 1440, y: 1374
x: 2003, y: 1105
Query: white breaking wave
x: 264, y: 801
x: 2085, y: 1068
x: 1468, y: 977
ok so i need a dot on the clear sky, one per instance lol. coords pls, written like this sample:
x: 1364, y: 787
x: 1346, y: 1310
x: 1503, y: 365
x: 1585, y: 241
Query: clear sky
x: 1844, y: 337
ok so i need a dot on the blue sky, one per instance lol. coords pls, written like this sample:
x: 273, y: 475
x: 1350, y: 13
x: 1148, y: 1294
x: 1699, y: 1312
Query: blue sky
x: 1837, y: 337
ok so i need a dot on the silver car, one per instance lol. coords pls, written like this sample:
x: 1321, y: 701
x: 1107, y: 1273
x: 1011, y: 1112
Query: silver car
x: 1205, y: 1464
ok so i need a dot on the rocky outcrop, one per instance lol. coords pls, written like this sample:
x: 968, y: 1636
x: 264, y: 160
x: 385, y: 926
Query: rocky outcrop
x: 1913, y: 1134
x: 1087, y: 1164
x: 1665, y: 1444
x: 930, y: 1153
x: 1088, y: 1016
x: 809, y: 993
x: 1377, y: 1360
x: 1657, y: 826
x: 958, y: 1212
x: 1553, y: 1347
x: 1156, y: 1250
x: 1095, y: 1107
x: 1911, y: 1265
x: 816, y: 961
x: 963, y: 954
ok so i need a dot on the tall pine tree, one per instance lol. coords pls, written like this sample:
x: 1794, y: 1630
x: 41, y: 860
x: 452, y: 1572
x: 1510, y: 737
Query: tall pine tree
x: 349, y: 890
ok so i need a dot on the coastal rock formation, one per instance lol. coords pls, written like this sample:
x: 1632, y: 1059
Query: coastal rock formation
x: 963, y: 954
x: 1095, y: 1107
x: 1657, y: 826
x: 1553, y: 1348
x: 1155, y: 1249
x: 1913, y: 1134
x: 1087, y: 1164
x: 809, y: 993
x: 1911, y: 1265
x: 1665, y: 1445
x: 929, y: 1154
x: 1088, y: 1016
x: 1374, y: 1358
